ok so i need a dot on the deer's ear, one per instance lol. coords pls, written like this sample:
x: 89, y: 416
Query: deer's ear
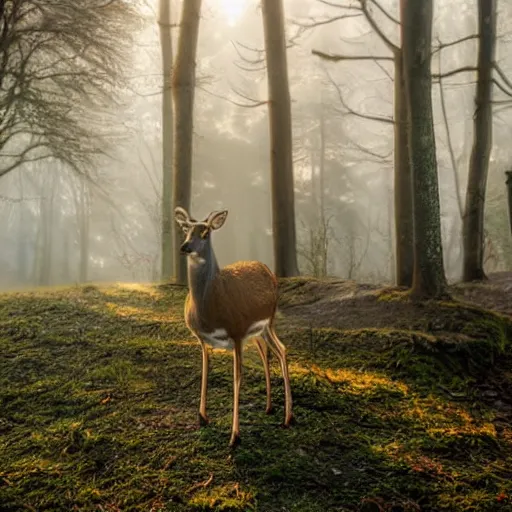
x: 182, y: 218
x: 216, y: 219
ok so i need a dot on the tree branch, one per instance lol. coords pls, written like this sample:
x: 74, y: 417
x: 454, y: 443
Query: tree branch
x: 385, y: 12
x: 317, y: 23
x: 371, y: 21
x: 253, y: 103
x: 338, y: 57
x: 353, y: 112
x: 502, y: 75
x: 501, y: 88
x: 441, y: 46
x: 463, y: 69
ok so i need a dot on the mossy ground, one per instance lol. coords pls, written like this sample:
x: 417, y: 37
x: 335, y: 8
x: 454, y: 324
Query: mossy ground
x: 99, y: 387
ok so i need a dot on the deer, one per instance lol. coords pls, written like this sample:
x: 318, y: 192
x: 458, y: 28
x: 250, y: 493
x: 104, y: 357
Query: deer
x: 226, y: 307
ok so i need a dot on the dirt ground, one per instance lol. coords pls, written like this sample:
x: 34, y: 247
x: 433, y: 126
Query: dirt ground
x: 349, y: 305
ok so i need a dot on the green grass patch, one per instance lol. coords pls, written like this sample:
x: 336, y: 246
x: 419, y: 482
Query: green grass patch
x: 99, y: 390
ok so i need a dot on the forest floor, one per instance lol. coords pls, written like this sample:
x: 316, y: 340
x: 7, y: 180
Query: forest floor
x: 398, y: 406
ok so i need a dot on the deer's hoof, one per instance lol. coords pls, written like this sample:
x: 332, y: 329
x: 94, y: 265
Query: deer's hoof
x: 203, y: 420
x: 289, y: 421
x: 235, y: 440
x: 270, y: 410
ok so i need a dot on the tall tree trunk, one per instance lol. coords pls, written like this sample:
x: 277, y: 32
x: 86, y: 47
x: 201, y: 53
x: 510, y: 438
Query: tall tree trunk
x: 166, y: 254
x: 321, y: 182
x: 281, y: 162
x: 22, y: 236
x: 183, y: 88
x: 403, y: 181
x: 473, y: 228
x: 46, y: 227
x: 66, y: 253
x: 508, y: 182
x: 84, y: 218
x: 314, y: 192
x: 429, y: 278
x: 391, y: 252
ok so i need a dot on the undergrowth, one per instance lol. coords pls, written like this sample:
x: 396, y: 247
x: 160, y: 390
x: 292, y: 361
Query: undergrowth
x: 99, y: 389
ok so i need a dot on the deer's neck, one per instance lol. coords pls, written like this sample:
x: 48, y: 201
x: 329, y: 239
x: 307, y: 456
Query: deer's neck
x: 201, y: 274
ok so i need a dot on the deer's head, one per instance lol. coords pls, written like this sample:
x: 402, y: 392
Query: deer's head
x: 197, y: 233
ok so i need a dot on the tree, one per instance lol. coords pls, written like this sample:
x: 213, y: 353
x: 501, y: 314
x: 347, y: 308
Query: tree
x: 183, y: 89
x: 82, y: 202
x: 281, y: 161
x: 165, y: 23
x: 473, y: 222
x: 404, y: 231
x: 60, y: 63
x: 404, y: 256
x: 429, y: 278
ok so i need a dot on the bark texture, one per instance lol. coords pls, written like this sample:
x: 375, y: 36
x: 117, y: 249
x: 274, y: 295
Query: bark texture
x: 403, y: 181
x: 429, y: 279
x: 183, y: 89
x: 283, y: 208
x: 165, y: 22
x: 473, y: 223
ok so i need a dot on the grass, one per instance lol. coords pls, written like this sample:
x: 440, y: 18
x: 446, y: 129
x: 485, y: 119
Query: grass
x: 99, y: 389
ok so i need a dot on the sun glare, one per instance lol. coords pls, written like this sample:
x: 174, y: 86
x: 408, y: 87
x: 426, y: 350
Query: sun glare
x: 233, y: 9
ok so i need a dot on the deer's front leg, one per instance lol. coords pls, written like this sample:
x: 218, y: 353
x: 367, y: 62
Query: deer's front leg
x: 237, y: 379
x: 203, y: 418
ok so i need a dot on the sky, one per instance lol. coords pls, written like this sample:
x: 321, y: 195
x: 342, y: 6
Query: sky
x: 233, y: 9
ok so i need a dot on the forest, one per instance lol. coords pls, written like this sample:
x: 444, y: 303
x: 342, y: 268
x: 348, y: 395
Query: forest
x: 357, y: 148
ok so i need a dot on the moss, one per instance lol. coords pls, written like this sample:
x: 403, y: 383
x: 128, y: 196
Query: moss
x: 393, y: 295
x: 99, y: 388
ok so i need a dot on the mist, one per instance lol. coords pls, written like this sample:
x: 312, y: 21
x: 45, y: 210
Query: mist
x: 103, y: 223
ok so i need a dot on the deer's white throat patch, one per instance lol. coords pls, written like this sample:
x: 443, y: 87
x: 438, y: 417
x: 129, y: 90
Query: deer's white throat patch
x: 194, y: 256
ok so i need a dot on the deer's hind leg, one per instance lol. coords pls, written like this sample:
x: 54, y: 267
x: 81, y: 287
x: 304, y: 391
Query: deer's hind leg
x: 279, y: 349
x: 262, y: 347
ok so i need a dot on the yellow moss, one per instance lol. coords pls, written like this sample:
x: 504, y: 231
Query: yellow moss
x: 222, y: 497
x: 392, y: 295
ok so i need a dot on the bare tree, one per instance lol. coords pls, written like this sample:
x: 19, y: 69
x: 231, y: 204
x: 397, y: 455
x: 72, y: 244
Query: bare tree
x: 60, y: 63
x: 473, y: 222
x: 281, y: 161
x: 183, y: 89
x: 404, y: 257
x: 165, y: 23
x: 429, y: 278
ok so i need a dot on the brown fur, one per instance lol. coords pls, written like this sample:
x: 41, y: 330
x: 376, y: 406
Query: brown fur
x: 241, y: 294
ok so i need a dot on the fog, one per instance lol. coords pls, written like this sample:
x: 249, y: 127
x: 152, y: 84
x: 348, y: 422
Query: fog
x: 59, y: 228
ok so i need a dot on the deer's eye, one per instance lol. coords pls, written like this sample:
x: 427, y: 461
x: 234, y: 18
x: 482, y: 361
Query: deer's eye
x: 204, y: 234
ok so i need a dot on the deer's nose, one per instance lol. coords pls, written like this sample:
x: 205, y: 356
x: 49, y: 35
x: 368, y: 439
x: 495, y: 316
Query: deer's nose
x: 185, y: 248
